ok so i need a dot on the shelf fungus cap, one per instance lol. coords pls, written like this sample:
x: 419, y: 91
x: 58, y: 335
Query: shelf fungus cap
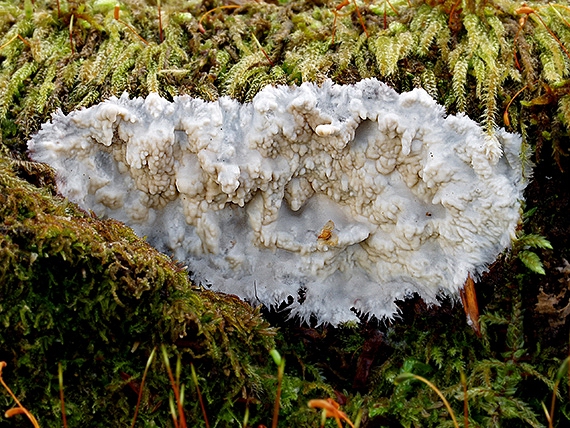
x: 337, y: 200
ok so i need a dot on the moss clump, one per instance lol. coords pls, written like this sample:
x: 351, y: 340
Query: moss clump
x: 480, y: 57
x: 91, y: 295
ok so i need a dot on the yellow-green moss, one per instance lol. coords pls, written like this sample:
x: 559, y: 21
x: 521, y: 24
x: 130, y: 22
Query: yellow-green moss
x: 91, y: 294
x: 480, y: 53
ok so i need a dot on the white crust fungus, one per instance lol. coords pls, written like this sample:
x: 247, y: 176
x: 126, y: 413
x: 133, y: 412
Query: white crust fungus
x: 336, y: 199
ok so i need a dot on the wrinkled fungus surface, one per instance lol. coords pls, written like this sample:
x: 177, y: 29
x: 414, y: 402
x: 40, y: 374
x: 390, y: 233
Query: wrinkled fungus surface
x: 335, y: 198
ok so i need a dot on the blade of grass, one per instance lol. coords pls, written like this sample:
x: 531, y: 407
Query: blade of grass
x: 173, y: 411
x: 245, y: 416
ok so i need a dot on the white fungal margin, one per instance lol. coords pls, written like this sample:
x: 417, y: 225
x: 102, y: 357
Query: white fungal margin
x: 349, y: 196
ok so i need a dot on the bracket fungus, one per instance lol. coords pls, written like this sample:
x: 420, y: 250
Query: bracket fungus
x: 336, y: 199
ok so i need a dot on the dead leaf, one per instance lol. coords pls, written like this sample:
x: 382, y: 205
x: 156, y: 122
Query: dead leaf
x: 469, y: 300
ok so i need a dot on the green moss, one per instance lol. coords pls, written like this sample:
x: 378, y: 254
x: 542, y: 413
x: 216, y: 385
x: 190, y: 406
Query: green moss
x: 92, y: 295
x: 478, y: 52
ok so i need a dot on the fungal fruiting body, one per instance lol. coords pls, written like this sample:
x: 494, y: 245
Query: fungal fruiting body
x: 336, y: 199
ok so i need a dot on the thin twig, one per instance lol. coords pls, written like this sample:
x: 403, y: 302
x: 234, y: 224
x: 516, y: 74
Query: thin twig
x: 280, y: 361
x: 262, y: 50
x: 406, y: 376
x: 562, y: 371
x: 17, y: 36
x: 452, y: 12
x: 465, y: 403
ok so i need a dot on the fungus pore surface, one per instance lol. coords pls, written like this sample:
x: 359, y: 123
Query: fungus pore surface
x: 335, y: 199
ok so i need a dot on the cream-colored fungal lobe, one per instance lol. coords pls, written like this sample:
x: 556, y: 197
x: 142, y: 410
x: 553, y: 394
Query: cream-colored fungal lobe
x: 336, y: 199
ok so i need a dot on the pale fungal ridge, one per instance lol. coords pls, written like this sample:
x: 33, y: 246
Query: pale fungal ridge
x: 335, y: 198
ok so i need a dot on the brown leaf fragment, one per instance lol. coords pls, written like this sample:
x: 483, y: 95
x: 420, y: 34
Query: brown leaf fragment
x: 469, y: 300
x: 546, y: 303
